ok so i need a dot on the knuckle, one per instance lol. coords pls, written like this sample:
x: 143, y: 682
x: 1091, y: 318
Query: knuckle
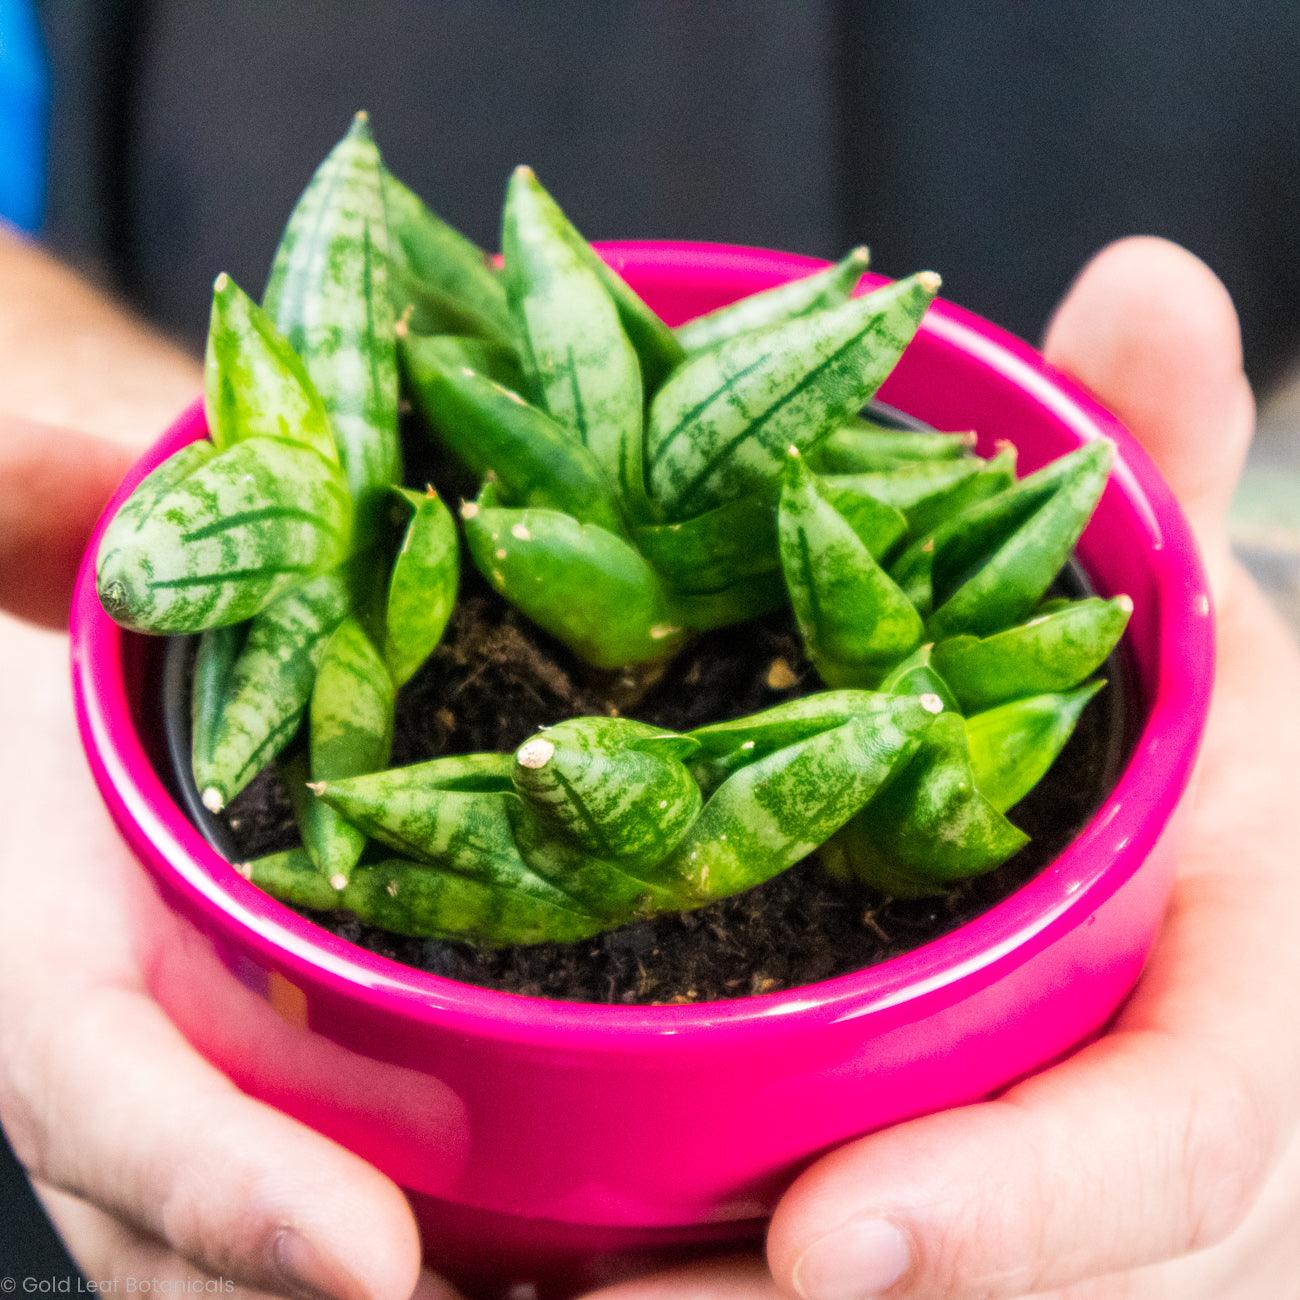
x: 1223, y: 1152
x: 1000, y: 1241
x: 221, y: 1217
x: 22, y: 1052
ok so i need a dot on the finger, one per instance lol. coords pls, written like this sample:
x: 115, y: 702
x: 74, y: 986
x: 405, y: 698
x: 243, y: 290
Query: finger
x: 1151, y: 330
x: 53, y: 484
x: 1139, y: 1150
x: 736, y: 1277
x: 108, y: 1251
x: 1147, y: 1145
x: 165, y: 1143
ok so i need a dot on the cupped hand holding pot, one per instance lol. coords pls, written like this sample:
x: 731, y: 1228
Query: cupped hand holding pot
x: 1162, y: 1160
x: 1159, y: 1161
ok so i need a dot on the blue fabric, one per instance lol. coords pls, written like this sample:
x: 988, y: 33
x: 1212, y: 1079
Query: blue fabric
x: 24, y: 96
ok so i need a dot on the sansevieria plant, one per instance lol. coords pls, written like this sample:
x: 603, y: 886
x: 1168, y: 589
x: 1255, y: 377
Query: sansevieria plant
x: 638, y: 485
x: 272, y: 539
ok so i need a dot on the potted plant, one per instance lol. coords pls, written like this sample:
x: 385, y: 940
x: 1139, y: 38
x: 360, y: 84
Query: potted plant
x: 642, y: 504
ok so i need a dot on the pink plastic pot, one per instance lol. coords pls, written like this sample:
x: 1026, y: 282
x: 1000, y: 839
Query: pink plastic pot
x: 557, y: 1142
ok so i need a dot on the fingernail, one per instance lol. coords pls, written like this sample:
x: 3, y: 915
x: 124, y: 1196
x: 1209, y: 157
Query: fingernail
x: 862, y: 1259
x: 307, y: 1273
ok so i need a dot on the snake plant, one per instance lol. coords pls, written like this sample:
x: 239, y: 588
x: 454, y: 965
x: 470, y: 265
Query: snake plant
x: 637, y: 485
x: 271, y: 540
x: 629, y: 480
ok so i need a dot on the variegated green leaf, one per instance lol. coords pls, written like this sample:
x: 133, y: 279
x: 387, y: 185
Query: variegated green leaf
x: 450, y: 280
x: 467, y: 832
x: 1013, y: 745
x: 214, y: 539
x: 657, y: 347
x: 917, y: 675
x: 407, y: 897
x: 617, y: 788
x: 269, y: 686
x: 713, y: 550
x: 214, y: 665
x: 826, y: 288
x: 854, y: 620
x: 536, y: 463
x: 583, y: 584
x: 862, y: 446
x: 721, y: 425
x: 738, y: 602
x: 580, y: 364
x: 610, y: 888
x: 1053, y: 651
x: 255, y: 384
x: 422, y: 590
x: 926, y: 491
x: 350, y: 730
x: 930, y: 824
x: 725, y: 747
x: 879, y: 527
x: 986, y: 568
x: 460, y: 351
x: 772, y: 812
x: 329, y: 296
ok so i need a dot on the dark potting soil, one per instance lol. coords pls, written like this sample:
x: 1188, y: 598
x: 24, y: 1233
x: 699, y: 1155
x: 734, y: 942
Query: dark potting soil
x: 494, y: 680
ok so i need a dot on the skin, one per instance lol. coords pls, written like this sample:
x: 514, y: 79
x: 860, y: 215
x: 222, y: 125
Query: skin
x: 1185, y: 1113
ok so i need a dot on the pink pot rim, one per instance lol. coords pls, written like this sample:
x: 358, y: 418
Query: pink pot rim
x: 1099, y: 860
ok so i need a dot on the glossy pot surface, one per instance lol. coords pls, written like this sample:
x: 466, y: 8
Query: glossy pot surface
x: 562, y: 1127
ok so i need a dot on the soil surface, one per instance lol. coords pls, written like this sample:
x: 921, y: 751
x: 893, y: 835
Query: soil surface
x: 495, y: 680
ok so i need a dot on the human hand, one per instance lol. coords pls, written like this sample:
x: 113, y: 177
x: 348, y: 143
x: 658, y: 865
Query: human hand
x: 1161, y: 1160
x: 150, y: 1162
x: 1169, y: 1133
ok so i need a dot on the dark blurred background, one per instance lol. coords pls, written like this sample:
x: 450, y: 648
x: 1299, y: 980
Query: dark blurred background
x: 1000, y: 144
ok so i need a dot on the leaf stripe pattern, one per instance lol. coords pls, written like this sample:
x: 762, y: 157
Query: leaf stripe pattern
x: 330, y: 297
x: 208, y: 550
x: 270, y: 685
x: 722, y: 423
x: 260, y: 515
x: 535, y: 872
x: 579, y: 362
x: 827, y: 288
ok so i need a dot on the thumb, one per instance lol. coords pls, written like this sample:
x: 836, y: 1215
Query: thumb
x: 53, y: 484
x: 1152, y: 332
